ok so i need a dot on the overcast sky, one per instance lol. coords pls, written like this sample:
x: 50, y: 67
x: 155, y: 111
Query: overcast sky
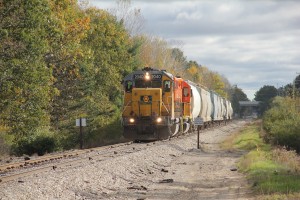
x: 253, y: 43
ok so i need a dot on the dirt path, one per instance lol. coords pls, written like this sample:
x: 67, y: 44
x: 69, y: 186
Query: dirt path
x: 199, y: 174
x: 205, y: 173
x: 165, y: 170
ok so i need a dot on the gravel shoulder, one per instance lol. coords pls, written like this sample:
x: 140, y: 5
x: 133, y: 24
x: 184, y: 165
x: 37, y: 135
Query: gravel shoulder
x: 172, y: 169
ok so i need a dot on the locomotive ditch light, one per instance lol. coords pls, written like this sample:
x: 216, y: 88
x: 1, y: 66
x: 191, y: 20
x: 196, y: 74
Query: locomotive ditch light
x: 131, y: 120
x: 159, y: 119
x: 147, y: 76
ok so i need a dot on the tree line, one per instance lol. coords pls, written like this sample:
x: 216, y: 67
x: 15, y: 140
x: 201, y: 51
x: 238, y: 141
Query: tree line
x: 62, y: 59
x: 266, y: 94
x: 280, y: 110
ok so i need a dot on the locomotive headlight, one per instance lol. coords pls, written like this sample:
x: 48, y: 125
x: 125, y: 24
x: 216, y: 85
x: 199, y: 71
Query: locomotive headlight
x: 159, y: 119
x: 131, y: 120
x: 147, y: 76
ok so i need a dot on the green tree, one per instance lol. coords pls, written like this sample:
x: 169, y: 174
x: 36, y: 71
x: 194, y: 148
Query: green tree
x: 112, y: 58
x: 218, y: 84
x: 265, y: 96
x: 24, y: 77
x: 227, y: 87
x: 203, y: 76
x: 291, y: 89
x: 296, y: 87
x: 192, y: 72
x: 237, y: 95
x: 297, y: 82
x: 286, y: 90
x: 282, y: 123
x: 67, y: 58
x: 180, y: 61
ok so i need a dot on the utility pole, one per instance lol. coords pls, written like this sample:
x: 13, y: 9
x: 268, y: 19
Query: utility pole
x: 297, y: 104
x: 294, y: 86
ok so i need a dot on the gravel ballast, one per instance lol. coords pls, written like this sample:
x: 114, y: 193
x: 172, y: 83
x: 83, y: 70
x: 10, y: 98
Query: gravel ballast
x: 173, y: 169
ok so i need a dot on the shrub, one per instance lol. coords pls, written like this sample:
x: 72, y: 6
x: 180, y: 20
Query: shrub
x: 4, y: 147
x: 109, y: 134
x: 290, y: 159
x: 42, y: 142
x: 282, y: 124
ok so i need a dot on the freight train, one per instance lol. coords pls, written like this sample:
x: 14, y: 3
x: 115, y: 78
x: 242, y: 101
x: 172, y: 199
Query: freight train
x: 158, y: 105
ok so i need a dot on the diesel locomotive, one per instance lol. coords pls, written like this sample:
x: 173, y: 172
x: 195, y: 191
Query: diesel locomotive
x: 158, y: 105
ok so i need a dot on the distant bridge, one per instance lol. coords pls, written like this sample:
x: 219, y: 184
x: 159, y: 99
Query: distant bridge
x: 249, y: 109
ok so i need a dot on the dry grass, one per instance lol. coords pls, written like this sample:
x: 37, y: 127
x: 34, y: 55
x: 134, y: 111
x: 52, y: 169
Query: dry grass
x: 295, y: 196
x: 290, y: 159
x: 4, y: 148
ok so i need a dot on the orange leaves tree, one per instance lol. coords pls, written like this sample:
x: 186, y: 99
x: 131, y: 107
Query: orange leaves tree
x: 212, y: 80
x: 59, y: 61
x: 112, y: 57
x: 66, y: 57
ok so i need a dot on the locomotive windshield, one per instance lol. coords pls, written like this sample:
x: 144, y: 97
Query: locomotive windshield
x: 148, y: 84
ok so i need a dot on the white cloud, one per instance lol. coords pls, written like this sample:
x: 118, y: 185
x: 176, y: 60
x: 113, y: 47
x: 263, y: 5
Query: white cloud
x: 252, y: 43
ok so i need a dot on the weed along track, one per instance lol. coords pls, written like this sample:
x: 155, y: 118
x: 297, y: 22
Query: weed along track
x: 166, y: 169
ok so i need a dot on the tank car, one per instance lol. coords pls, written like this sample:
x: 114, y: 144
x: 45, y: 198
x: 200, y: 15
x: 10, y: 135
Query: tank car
x: 201, y: 104
x: 229, y: 110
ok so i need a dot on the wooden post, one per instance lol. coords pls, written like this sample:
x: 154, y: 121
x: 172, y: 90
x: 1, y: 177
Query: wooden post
x: 198, y: 121
x: 81, y: 134
x: 198, y: 137
x: 81, y: 122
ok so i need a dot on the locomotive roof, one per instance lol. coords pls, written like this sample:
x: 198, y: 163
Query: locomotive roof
x: 142, y: 71
x: 197, y: 85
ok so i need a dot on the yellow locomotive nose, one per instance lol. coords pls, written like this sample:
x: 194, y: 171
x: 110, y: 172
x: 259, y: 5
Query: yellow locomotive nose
x: 147, y: 101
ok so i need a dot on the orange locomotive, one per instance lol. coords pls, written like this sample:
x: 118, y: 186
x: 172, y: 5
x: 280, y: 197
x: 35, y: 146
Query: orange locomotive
x: 157, y: 105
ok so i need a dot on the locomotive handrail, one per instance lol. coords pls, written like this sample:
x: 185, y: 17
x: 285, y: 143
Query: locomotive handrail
x: 165, y: 106
x: 169, y: 97
x: 125, y: 107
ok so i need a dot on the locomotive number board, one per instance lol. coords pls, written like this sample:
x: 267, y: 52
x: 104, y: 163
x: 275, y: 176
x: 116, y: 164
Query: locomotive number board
x: 153, y: 76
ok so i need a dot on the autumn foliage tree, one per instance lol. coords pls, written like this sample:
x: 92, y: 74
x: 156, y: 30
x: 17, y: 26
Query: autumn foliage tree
x: 205, y: 77
x: 112, y: 58
x: 67, y: 58
x: 61, y: 60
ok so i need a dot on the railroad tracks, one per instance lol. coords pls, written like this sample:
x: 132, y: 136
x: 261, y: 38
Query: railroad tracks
x: 16, y: 170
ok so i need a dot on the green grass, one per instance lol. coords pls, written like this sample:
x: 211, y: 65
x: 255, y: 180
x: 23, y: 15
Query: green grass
x: 248, y: 139
x: 268, y: 177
